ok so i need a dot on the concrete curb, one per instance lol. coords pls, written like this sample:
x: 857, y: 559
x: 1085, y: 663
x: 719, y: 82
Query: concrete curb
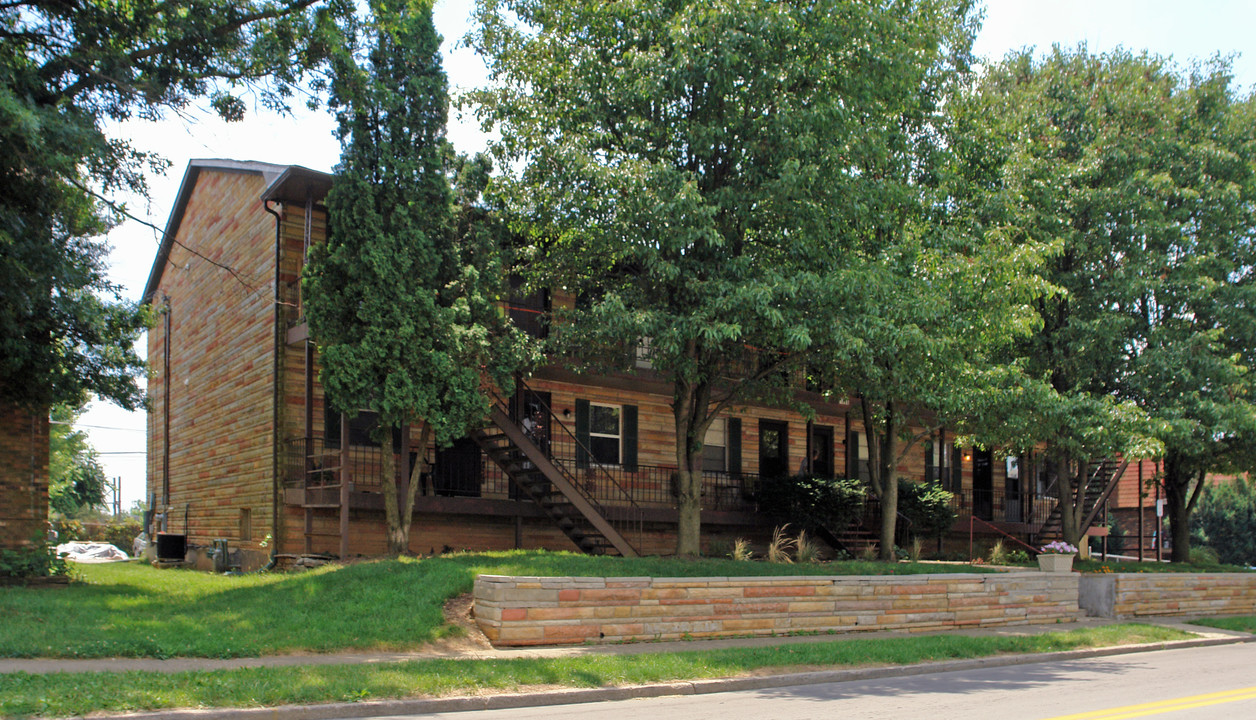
x: 379, y: 708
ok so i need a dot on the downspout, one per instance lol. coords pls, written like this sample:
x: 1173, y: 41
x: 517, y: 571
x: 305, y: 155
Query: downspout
x: 277, y: 396
x: 165, y: 417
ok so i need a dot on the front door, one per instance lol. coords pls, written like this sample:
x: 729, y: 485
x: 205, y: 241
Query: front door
x: 773, y: 449
x: 983, y: 484
x: 1012, y: 490
x: 820, y: 450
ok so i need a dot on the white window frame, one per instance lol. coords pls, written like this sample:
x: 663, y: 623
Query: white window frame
x: 619, y: 437
x: 720, y: 427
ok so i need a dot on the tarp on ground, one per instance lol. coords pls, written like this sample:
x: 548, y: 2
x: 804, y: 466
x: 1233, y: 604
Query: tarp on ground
x: 89, y: 552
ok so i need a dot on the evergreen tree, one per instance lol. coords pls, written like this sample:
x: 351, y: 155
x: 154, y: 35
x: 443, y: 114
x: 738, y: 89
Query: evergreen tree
x: 400, y: 301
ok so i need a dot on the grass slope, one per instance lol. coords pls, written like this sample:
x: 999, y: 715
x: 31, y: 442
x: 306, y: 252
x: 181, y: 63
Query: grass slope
x: 59, y: 695
x: 133, y: 610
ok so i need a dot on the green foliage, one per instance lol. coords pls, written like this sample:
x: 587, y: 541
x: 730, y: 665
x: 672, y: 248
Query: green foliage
x: 76, y: 481
x: 401, y: 309
x: 701, y: 175
x: 66, y: 71
x: 401, y: 296
x: 1225, y: 521
x: 34, y: 561
x: 811, y: 502
x: 69, y: 530
x: 927, y: 507
x: 1141, y: 178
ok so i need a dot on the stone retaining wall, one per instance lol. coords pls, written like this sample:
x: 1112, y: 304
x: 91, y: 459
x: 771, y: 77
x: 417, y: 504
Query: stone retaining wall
x: 1127, y: 595
x: 553, y: 611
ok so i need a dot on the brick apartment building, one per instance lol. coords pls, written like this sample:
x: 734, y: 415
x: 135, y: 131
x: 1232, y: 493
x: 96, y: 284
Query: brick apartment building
x: 240, y: 446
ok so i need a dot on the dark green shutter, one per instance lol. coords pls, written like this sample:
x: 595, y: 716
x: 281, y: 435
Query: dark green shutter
x: 734, y: 446
x: 331, y: 427
x: 852, y: 454
x: 957, y: 470
x: 630, y: 438
x: 928, y: 460
x: 582, y: 433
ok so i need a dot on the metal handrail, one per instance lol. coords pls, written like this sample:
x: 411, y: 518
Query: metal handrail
x: 625, y: 514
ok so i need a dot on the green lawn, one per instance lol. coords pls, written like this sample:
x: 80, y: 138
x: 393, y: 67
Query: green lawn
x: 64, y: 694
x: 1243, y: 623
x: 133, y: 610
x: 1133, y: 566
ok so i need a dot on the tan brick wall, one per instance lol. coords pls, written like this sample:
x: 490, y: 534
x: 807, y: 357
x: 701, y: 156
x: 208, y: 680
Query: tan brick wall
x: 555, y: 611
x: 23, y: 476
x: 220, y: 384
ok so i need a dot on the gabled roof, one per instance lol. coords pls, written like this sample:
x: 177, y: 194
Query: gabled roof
x: 287, y: 183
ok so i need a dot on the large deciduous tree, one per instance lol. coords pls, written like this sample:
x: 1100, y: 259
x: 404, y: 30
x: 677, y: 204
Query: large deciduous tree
x: 1142, y: 178
x: 691, y: 170
x: 400, y: 295
x: 67, y: 69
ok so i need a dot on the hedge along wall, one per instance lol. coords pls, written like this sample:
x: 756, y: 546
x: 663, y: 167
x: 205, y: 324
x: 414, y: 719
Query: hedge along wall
x: 1126, y: 595
x: 554, y: 611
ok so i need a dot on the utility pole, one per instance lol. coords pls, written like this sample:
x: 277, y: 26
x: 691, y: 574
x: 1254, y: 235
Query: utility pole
x: 115, y: 486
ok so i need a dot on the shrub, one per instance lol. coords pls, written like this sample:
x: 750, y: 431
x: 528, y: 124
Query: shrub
x: 38, y: 560
x: 998, y: 554
x: 810, y: 502
x: 1225, y: 521
x: 69, y: 530
x: 120, y: 532
x: 927, y: 507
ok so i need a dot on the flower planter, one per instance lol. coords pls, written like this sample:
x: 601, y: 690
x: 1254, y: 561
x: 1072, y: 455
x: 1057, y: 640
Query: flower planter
x: 1055, y: 562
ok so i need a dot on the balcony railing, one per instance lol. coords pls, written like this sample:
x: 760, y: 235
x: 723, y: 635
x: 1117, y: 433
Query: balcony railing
x: 310, y: 464
x: 1000, y: 506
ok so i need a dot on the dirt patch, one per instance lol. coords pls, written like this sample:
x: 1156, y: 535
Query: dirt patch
x: 467, y: 637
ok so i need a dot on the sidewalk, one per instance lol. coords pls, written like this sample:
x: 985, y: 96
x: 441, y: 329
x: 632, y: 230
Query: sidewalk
x: 1206, y: 637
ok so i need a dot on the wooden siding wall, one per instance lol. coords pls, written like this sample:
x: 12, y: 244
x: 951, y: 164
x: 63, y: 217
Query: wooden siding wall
x: 220, y: 384
x: 23, y: 476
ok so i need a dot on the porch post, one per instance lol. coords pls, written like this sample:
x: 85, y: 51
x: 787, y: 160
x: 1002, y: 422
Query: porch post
x: 344, y: 486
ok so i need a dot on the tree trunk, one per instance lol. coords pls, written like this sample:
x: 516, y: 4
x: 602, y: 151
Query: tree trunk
x: 1066, y: 494
x: 396, y: 536
x: 1180, y: 499
x: 688, y: 480
x: 399, y: 511
x: 881, y: 453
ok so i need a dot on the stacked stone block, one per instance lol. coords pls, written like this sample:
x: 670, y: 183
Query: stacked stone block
x: 552, y: 611
x: 1128, y: 595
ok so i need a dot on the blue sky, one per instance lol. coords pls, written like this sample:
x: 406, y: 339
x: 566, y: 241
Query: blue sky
x: 1186, y: 31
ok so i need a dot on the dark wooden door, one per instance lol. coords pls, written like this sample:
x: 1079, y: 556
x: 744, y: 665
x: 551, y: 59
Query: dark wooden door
x: 983, y: 484
x: 773, y: 449
x: 820, y: 450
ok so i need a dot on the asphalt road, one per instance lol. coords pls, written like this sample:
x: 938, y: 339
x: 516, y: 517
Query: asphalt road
x: 1187, y: 684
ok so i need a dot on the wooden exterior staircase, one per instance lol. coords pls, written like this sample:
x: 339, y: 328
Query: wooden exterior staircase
x: 1102, y: 479
x: 597, y: 525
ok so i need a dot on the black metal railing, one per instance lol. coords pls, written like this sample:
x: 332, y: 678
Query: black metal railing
x: 594, y: 482
x: 309, y: 463
x: 1000, y: 506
